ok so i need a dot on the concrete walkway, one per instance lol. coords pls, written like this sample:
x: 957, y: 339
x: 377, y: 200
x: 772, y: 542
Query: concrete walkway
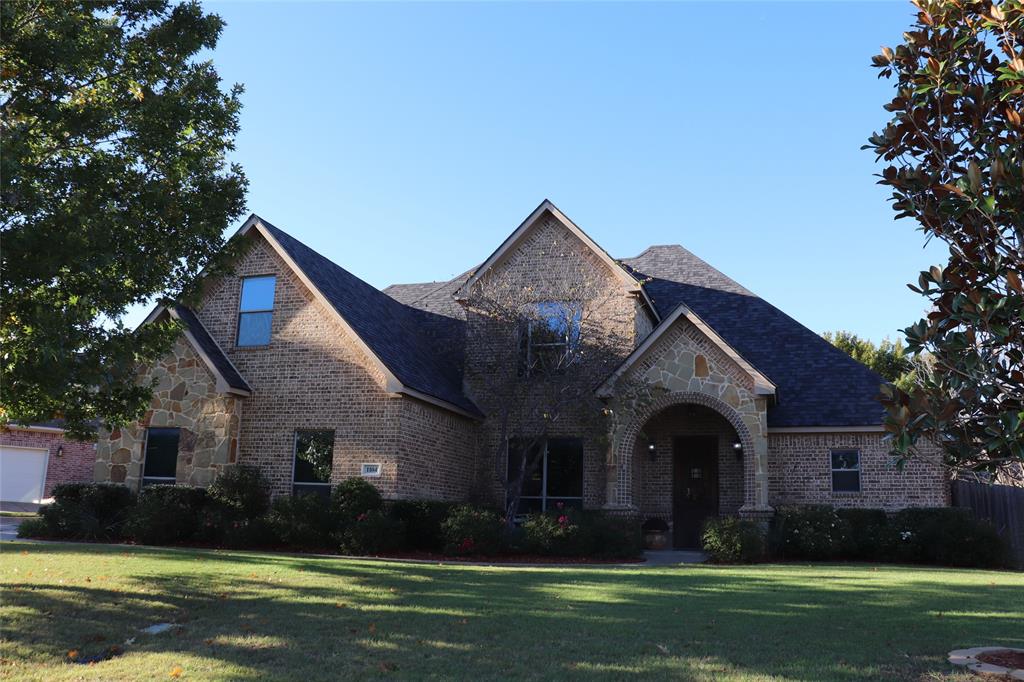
x: 675, y: 557
x: 9, y: 527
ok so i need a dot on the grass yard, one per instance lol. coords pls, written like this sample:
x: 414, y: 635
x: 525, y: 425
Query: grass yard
x: 242, y: 615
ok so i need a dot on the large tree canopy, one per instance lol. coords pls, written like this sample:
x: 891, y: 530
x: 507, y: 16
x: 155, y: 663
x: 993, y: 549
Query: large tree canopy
x: 888, y: 358
x: 115, y: 189
x: 954, y: 154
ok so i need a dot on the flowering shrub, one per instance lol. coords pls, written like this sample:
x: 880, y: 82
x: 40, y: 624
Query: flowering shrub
x: 353, y: 497
x: 471, y: 530
x: 814, y: 532
x: 556, y: 533
x: 373, y: 532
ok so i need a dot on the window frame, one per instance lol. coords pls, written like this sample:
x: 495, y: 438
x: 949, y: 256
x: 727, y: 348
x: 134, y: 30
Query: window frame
x: 323, y: 488
x: 833, y: 470
x: 544, y: 496
x: 260, y: 311
x: 145, y: 480
x: 569, y: 342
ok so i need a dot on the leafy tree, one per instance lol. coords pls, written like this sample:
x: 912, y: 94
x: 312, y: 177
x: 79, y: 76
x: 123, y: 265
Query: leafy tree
x: 954, y: 154
x: 888, y: 358
x: 114, y: 189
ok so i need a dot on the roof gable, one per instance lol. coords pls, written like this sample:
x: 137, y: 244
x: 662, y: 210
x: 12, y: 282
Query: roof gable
x: 519, y: 235
x: 403, y: 342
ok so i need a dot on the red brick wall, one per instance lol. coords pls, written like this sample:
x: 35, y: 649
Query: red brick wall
x: 75, y: 465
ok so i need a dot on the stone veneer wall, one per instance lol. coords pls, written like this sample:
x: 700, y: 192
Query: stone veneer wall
x: 185, y: 397
x: 801, y: 473
x: 314, y: 375
x: 684, y: 366
x: 652, y: 492
x: 549, y: 250
x: 75, y: 464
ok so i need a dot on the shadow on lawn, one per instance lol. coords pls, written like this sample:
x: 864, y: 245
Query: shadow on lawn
x: 416, y: 620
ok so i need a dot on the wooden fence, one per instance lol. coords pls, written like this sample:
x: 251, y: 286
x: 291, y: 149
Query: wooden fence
x: 1003, y: 505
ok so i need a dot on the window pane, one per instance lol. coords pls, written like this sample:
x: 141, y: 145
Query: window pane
x: 257, y: 294
x: 846, y: 481
x: 845, y: 459
x: 534, y: 482
x: 254, y: 329
x: 161, y: 453
x: 565, y: 467
x: 314, y: 456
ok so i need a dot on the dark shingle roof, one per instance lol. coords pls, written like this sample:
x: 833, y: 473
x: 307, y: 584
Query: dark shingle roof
x: 817, y: 384
x: 411, y: 343
x: 212, y: 350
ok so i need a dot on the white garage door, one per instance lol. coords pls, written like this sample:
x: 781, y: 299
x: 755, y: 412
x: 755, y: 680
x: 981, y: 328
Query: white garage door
x: 22, y: 473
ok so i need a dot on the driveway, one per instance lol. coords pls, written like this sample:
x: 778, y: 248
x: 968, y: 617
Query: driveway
x: 9, y: 527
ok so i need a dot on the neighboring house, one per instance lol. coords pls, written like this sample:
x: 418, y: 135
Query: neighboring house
x: 722, y: 404
x: 35, y: 458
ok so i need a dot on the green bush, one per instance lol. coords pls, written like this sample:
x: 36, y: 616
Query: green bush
x: 353, y: 497
x: 472, y: 530
x: 729, y: 540
x: 242, y: 490
x: 34, y: 527
x: 373, y: 533
x: 615, y: 537
x: 302, y: 521
x: 558, y: 533
x: 88, y: 511
x: 814, y: 532
x: 867, y: 535
x: 165, y: 514
x: 947, y: 536
x: 422, y: 519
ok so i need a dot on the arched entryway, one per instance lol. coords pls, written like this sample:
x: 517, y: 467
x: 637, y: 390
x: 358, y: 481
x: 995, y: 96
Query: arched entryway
x: 664, y: 452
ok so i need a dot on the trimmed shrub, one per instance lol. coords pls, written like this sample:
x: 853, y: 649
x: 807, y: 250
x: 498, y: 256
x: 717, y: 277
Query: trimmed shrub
x: 813, y: 532
x: 88, y: 511
x: 947, y: 536
x: 242, y: 490
x: 302, y: 521
x: 165, y: 514
x: 353, y: 497
x: 866, y: 535
x: 372, y: 533
x: 34, y: 527
x: 422, y: 519
x: 614, y: 536
x: 729, y: 540
x: 471, y: 530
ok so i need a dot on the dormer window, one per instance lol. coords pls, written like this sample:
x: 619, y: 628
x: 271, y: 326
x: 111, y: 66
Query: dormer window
x: 551, y: 336
x: 255, y: 310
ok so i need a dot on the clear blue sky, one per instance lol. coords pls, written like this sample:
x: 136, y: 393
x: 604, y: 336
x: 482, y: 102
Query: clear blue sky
x: 405, y: 141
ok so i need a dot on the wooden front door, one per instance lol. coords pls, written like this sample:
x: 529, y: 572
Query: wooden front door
x: 694, y: 487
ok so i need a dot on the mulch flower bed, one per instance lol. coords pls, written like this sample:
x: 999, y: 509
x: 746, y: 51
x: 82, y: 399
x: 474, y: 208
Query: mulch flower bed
x: 1006, y: 657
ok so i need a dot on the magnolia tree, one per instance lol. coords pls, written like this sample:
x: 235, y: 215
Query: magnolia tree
x: 543, y: 347
x: 954, y: 155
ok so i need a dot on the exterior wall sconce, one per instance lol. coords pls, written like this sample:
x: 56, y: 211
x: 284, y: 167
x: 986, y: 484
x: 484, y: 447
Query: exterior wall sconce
x: 60, y: 451
x: 652, y: 450
x: 737, y: 447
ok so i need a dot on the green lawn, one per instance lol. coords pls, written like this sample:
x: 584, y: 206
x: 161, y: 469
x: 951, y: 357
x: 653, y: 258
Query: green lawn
x: 244, y: 615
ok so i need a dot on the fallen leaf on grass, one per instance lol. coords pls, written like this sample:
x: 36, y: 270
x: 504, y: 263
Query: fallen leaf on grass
x: 387, y: 667
x: 73, y: 654
x: 373, y: 627
x: 176, y: 671
x: 662, y: 648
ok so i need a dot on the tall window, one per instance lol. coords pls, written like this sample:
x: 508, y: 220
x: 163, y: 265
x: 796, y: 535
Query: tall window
x: 845, y: 471
x: 255, y: 309
x: 161, y: 460
x: 557, y: 478
x: 551, y: 336
x: 314, y: 456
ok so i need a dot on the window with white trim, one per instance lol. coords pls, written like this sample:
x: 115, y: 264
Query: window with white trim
x: 314, y: 458
x: 845, y: 471
x: 255, y: 310
x: 161, y: 458
x: 556, y: 477
x: 550, y: 336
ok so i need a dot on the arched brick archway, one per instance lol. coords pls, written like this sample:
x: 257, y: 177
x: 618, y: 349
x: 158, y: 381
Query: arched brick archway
x: 621, y: 470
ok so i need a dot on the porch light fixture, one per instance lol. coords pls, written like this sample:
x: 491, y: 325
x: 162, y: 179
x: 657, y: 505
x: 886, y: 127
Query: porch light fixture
x: 652, y: 451
x: 737, y: 447
x: 60, y: 451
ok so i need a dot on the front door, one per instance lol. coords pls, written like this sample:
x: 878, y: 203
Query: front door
x: 694, y: 487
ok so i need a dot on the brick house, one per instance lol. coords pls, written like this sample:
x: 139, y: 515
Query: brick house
x: 719, y: 402
x: 36, y: 457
